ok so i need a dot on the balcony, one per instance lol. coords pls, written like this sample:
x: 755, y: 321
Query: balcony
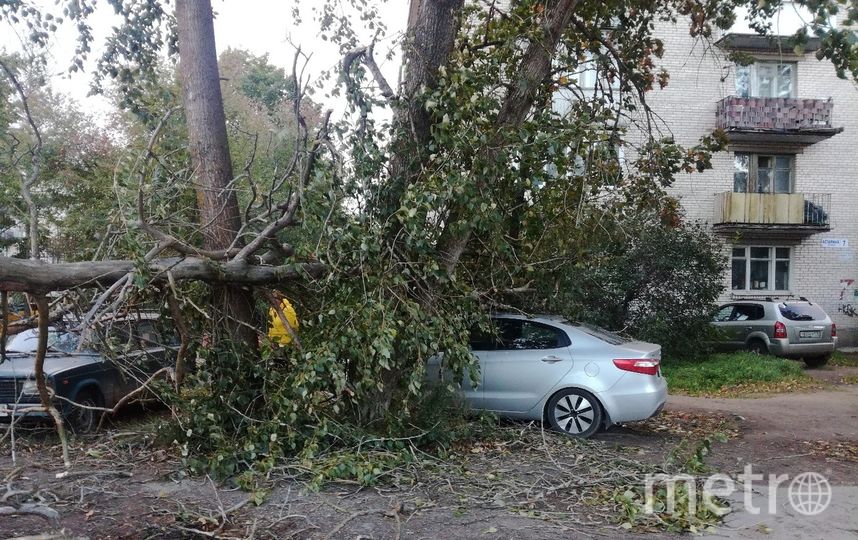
x: 776, y: 120
x: 775, y: 215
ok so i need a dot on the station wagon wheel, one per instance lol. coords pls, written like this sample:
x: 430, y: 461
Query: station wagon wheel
x: 757, y: 346
x: 575, y: 412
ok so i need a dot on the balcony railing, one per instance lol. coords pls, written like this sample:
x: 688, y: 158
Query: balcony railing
x: 797, y: 210
x: 774, y: 113
x: 753, y: 119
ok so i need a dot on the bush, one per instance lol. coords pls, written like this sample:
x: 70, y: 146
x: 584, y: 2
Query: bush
x: 660, y: 285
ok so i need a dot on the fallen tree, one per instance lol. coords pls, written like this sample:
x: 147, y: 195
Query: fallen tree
x: 41, y: 277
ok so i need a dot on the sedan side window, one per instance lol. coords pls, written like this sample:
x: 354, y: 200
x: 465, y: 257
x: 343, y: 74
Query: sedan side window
x: 482, y: 340
x: 516, y: 334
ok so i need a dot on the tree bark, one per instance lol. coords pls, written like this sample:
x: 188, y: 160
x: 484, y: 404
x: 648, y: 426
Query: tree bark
x: 431, y: 35
x: 220, y: 216
x: 41, y: 277
x: 4, y: 323
x: 39, y: 374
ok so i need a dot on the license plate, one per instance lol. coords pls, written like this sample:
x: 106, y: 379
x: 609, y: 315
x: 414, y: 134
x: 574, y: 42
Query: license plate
x: 805, y: 334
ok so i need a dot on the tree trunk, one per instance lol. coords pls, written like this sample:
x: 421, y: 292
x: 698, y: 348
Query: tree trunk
x: 41, y: 277
x: 530, y: 78
x: 220, y: 216
x: 432, y: 29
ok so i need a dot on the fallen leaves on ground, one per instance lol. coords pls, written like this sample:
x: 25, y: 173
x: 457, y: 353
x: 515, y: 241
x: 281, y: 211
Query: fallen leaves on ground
x: 849, y: 379
x: 836, y: 450
x: 844, y: 359
x: 689, y: 424
x: 761, y: 387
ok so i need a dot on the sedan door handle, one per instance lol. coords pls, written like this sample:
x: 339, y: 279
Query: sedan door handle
x: 552, y: 359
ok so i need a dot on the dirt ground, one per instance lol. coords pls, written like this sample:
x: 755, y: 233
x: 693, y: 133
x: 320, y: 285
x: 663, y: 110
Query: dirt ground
x: 529, y: 485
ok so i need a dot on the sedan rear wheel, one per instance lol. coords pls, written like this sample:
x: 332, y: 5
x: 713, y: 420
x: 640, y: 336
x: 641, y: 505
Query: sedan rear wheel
x: 574, y: 412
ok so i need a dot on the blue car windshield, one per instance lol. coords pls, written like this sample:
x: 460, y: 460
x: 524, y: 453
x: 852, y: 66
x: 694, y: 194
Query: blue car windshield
x: 58, y: 341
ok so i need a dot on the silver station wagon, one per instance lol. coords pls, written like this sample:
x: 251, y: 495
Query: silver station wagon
x: 576, y: 378
x: 798, y: 329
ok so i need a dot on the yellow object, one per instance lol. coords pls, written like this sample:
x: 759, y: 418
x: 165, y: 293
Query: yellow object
x: 277, y: 332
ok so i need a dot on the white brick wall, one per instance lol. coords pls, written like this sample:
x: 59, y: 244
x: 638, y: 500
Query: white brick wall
x: 700, y: 76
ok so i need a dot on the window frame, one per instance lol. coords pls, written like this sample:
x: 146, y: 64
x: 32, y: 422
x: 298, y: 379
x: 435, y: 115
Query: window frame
x: 731, y: 307
x: 753, y: 72
x: 758, y: 309
x: 498, y: 344
x: 752, y: 179
x: 772, y: 274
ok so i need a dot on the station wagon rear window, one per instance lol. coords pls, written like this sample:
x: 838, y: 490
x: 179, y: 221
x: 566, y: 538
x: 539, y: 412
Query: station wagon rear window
x: 801, y: 312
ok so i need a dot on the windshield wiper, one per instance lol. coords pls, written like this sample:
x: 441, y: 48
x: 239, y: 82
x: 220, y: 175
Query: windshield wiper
x: 49, y: 349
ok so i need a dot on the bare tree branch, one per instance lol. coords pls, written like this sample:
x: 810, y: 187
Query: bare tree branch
x: 369, y: 59
x: 39, y: 374
x: 4, y: 323
x: 184, y: 335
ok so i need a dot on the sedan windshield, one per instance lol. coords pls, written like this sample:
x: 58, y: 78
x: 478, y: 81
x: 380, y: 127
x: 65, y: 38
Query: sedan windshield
x: 58, y: 341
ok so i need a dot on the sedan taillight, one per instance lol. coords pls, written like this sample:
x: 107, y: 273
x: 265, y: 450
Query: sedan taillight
x: 833, y: 330
x: 780, y: 330
x: 647, y: 366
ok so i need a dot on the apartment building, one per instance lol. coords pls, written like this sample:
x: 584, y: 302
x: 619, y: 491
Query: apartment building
x: 783, y: 197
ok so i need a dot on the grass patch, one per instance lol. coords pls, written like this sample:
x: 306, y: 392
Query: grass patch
x: 840, y: 358
x: 732, y: 374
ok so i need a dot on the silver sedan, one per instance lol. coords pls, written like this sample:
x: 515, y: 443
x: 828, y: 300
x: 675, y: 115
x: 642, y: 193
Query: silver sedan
x: 578, y: 378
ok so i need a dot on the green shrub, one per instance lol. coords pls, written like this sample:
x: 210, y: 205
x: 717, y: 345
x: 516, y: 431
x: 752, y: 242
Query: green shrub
x: 659, y: 285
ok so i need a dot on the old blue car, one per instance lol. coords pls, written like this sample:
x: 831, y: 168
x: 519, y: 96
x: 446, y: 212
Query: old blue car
x: 95, y: 368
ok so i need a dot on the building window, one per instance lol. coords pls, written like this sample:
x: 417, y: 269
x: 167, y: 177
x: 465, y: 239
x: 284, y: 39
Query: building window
x: 594, y: 79
x: 756, y: 173
x: 766, y: 79
x: 760, y: 268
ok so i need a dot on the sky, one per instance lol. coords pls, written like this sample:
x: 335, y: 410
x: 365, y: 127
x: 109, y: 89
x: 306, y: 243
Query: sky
x: 259, y: 26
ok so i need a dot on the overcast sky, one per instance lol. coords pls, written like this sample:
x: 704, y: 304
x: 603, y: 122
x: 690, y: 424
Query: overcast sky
x: 262, y: 27
x: 259, y: 26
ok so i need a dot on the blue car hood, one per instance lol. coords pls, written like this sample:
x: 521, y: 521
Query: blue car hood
x: 23, y: 365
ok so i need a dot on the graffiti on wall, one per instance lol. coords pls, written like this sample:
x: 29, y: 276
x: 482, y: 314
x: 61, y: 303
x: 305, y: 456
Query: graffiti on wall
x: 848, y: 304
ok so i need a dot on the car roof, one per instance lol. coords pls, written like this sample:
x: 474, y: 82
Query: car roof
x: 769, y: 301
x: 535, y: 317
